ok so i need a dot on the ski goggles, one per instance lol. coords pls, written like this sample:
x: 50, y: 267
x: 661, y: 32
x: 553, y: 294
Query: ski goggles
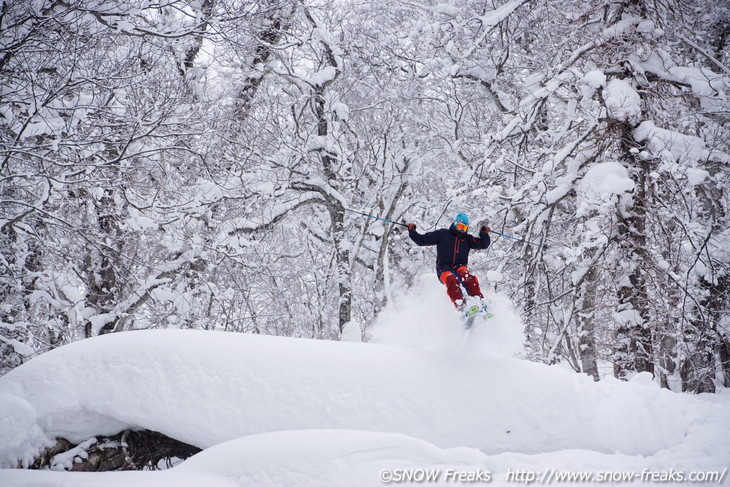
x: 461, y: 226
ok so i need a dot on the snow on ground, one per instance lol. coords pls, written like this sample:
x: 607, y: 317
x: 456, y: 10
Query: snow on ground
x: 273, y: 411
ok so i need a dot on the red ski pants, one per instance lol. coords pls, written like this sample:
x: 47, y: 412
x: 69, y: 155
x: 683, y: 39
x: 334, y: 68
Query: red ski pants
x: 451, y: 281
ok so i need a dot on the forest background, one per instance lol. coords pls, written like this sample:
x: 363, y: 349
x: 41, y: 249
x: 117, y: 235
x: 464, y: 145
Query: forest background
x: 191, y: 164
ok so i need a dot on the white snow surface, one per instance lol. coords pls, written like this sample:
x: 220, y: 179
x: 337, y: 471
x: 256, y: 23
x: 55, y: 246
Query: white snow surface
x: 274, y: 411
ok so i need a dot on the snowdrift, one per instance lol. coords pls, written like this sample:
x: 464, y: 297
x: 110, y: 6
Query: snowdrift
x: 205, y: 388
x: 208, y: 388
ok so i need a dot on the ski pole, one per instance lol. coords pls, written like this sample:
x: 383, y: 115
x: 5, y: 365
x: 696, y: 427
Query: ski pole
x: 544, y: 247
x: 375, y: 217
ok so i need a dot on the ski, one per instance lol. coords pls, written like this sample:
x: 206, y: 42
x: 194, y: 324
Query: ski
x: 472, y: 311
x: 469, y: 315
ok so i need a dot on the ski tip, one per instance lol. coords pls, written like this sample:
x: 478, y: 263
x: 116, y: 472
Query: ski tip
x: 471, y: 311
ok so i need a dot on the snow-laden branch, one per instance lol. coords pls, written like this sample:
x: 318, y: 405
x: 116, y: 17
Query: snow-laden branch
x: 529, y: 106
x: 706, y: 54
x: 125, y: 310
x: 488, y: 22
x: 676, y: 146
x: 276, y: 214
x: 122, y: 22
x: 493, y: 19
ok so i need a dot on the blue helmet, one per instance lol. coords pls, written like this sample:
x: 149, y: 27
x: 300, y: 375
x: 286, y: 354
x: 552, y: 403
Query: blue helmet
x: 462, y: 218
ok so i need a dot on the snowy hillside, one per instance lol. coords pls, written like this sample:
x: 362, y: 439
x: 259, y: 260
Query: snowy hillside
x: 280, y: 411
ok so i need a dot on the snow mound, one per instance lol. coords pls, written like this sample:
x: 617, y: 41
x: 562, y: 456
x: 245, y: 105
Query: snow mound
x: 205, y: 388
x: 332, y: 457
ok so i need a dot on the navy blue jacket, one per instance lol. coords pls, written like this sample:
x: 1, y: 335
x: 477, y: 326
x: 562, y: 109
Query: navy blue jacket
x: 452, y: 247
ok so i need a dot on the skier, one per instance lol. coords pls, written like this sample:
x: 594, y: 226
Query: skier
x: 452, y: 256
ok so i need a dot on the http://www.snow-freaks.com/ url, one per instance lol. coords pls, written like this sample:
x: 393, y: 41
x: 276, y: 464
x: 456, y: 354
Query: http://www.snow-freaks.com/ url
x: 548, y: 476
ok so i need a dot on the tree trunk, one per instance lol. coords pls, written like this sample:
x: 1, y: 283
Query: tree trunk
x: 344, y: 272
x: 706, y: 345
x: 587, y: 325
x: 724, y: 355
x: 634, y: 351
x: 276, y: 23
x: 101, y: 266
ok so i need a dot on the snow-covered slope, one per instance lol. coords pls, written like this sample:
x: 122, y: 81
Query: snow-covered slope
x: 282, y: 411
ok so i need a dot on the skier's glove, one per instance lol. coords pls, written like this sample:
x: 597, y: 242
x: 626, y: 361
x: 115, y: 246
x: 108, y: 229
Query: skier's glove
x: 485, y: 229
x: 411, y: 227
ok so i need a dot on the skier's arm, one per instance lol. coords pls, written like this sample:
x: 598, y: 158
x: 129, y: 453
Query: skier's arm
x: 429, y: 238
x: 483, y: 241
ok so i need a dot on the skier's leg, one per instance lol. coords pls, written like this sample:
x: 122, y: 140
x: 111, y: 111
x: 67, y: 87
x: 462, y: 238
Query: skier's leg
x: 452, y: 287
x: 470, y: 281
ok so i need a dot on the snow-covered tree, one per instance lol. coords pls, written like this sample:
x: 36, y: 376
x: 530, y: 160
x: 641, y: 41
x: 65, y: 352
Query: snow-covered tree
x: 194, y: 164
